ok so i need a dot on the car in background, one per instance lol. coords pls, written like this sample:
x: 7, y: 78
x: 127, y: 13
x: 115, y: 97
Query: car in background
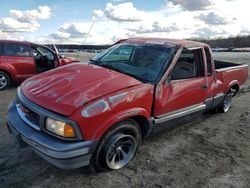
x: 20, y: 60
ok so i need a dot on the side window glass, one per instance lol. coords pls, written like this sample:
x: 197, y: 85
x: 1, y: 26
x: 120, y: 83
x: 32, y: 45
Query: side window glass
x: 189, y: 65
x: 209, y: 62
x: 45, y: 52
x: 23, y: 50
x: 1, y: 48
x: 12, y: 49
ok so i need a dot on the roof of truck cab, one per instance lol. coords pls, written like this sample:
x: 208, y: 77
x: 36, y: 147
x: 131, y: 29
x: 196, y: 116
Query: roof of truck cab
x: 163, y: 41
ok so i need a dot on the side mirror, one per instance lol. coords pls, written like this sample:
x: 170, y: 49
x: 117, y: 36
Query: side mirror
x: 62, y: 56
x: 168, y: 80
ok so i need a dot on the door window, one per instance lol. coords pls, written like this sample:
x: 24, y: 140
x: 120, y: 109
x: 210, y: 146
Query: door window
x: 1, y: 48
x: 209, y: 61
x: 12, y: 49
x: 189, y: 65
x: 44, y: 52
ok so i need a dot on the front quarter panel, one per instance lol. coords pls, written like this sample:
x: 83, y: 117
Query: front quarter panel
x: 7, y: 67
x: 138, y: 102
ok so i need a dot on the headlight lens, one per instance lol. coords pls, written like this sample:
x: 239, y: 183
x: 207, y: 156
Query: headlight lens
x: 60, y: 128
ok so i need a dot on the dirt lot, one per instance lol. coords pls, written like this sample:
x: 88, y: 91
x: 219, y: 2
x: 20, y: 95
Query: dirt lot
x: 211, y: 151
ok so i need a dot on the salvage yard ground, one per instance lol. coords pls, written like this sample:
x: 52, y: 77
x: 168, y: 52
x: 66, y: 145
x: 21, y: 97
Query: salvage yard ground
x: 211, y: 151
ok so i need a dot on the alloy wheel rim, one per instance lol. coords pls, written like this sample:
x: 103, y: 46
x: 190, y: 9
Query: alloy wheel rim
x: 227, y: 102
x: 3, y: 81
x: 122, y: 149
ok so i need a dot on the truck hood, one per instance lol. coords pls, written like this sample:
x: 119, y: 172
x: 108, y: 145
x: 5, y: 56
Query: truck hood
x: 64, y: 90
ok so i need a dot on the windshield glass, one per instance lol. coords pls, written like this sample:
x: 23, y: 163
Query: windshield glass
x: 144, y: 62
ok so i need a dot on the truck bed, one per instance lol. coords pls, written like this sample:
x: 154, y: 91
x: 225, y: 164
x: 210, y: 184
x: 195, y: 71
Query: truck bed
x: 229, y: 74
x: 224, y: 64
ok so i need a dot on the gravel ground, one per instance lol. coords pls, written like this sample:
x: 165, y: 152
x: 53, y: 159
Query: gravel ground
x: 211, y: 151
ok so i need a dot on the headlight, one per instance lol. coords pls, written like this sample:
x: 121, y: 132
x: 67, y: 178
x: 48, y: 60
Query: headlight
x: 60, y: 128
x: 95, y: 108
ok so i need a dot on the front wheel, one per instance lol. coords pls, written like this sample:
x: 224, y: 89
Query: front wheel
x: 118, y: 147
x: 227, y: 102
x: 4, y: 80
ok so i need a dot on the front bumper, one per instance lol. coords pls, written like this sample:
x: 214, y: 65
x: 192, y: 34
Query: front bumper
x: 63, y: 154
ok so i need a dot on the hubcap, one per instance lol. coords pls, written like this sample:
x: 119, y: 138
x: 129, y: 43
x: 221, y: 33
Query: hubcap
x: 227, y: 102
x: 120, y: 151
x: 3, y: 81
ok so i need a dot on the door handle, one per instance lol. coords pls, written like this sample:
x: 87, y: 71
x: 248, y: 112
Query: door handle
x: 204, y: 86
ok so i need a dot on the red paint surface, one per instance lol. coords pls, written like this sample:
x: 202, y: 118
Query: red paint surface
x: 67, y: 88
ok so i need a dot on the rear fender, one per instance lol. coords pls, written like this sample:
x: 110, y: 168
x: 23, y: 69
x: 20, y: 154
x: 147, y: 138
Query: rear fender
x: 231, y: 84
x: 118, y: 117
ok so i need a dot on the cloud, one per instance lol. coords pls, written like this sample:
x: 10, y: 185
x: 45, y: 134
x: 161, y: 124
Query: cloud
x: 98, y: 13
x: 209, y: 32
x: 71, y: 32
x: 193, y: 5
x: 245, y: 31
x: 213, y: 18
x: 60, y: 35
x: 43, y: 12
x: 10, y: 36
x: 123, y: 12
x: 12, y: 25
x: 155, y: 28
x: 75, y: 29
x: 24, y: 21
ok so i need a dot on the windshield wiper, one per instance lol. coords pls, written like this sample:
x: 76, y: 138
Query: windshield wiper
x: 109, y: 66
x: 94, y: 61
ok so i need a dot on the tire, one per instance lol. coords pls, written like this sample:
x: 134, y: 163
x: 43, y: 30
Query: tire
x: 226, y: 104
x: 4, y: 81
x: 117, y: 147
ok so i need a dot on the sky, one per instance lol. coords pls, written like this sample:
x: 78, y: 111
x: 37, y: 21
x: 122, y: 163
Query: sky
x: 106, y: 21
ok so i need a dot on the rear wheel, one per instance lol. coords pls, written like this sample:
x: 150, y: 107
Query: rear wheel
x: 4, y: 80
x: 118, y: 147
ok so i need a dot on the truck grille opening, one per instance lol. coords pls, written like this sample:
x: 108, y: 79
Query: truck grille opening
x: 28, y: 116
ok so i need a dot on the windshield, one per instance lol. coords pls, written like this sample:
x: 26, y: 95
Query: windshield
x: 144, y: 62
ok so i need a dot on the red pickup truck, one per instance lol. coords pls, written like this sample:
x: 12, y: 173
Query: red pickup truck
x: 21, y: 60
x: 97, y: 113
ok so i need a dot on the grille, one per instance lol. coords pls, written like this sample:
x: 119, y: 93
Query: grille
x: 29, y: 116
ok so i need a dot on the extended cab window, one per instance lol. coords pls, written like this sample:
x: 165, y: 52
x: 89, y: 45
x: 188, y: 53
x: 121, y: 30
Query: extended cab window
x: 189, y: 65
x: 209, y: 61
x: 12, y: 49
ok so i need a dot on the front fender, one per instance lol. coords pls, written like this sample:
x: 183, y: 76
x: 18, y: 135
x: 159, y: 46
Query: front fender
x: 10, y: 70
x: 117, y: 117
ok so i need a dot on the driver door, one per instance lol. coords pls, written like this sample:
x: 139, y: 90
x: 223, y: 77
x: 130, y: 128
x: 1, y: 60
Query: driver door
x: 186, y: 91
x: 45, y: 59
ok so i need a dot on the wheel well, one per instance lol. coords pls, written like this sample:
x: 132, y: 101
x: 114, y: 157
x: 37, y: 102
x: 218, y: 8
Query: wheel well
x: 144, y: 124
x: 236, y: 88
x: 6, y: 72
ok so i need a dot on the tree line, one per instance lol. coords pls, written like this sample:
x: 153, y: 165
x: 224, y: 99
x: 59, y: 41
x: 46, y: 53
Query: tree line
x: 235, y: 42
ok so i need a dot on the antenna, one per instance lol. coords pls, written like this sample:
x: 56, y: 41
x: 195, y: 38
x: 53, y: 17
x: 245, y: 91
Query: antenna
x: 86, y: 36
